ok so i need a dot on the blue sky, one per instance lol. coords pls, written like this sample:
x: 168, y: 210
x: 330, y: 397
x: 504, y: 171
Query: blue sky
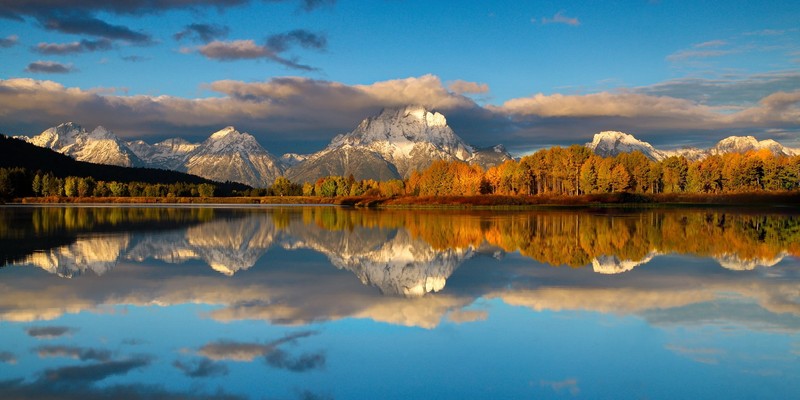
x: 296, y: 73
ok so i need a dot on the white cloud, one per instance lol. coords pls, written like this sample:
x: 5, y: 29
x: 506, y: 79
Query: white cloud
x: 561, y: 18
x: 465, y: 87
x: 710, y: 43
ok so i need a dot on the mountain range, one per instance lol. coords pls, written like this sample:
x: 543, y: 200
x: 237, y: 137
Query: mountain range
x: 389, y: 145
x: 611, y: 143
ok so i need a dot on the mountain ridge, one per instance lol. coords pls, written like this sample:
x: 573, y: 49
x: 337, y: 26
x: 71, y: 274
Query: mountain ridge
x: 392, y: 144
x: 388, y: 145
x: 612, y: 143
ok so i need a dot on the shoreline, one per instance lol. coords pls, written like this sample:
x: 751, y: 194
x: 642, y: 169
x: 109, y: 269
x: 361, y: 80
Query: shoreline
x: 611, y: 200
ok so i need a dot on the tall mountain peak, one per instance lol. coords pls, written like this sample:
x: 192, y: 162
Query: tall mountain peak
x: 100, y: 146
x: 390, y: 144
x: 415, y: 112
x: 224, y: 132
x: 230, y: 155
x: 741, y: 144
x: 611, y: 143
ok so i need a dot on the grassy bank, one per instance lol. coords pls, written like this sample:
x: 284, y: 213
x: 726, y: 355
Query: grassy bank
x: 785, y: 199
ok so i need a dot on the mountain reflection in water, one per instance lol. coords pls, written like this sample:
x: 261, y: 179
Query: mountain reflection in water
x: 404, y: 252
x: 401, y: 253
x: 147, y: 302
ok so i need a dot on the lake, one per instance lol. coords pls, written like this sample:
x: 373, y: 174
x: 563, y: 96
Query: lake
x: 334, y: 303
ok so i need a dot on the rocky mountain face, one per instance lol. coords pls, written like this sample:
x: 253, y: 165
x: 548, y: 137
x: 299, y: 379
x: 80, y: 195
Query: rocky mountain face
x: 386, y: 146
x: 99, y: 146
x: 611, y: 143
x: 229, y: 155
x: 393, y: 144
x: 741, y: 144
x: 169, y: 154
x: 389, y: 145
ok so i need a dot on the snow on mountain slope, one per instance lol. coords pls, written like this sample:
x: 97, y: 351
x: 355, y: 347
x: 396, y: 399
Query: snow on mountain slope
x: 99, y: 146
x: 411, y: 138
x: 168, y: 154
x: 229, y: 155
x: 490, y: 156
x: 611, y: 143
x: 689, y: 153
x: 741, y: 144
x: 357, y: 161
x: 292, y: 159
x: 404, y: 139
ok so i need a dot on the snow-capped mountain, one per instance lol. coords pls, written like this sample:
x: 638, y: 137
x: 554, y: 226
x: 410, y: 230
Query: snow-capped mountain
x: 490, y: 156
x: 227, y: 155
x: 611, y: 143
x: 392, y: 144
x: 230, y: 155
x: 169, y: 154
x: 389, y: 145
x: 741, y: 144
x: 292, y: 159
x: 689, y: 153
x: 99, y: 146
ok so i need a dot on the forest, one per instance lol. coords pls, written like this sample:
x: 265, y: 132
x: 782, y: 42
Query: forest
x: 22, y: 162
x: 570, y: 171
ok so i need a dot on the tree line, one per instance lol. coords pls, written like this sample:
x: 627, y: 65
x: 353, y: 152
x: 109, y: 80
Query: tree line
x: 19, y: 182
x: 570, y: 171
x: 574, y: 170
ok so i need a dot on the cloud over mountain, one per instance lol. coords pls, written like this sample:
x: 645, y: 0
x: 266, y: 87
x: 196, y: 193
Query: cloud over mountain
x: 288, y: 110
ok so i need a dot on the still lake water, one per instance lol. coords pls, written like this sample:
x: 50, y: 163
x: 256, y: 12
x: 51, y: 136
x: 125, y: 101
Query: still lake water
x: 324, y: 302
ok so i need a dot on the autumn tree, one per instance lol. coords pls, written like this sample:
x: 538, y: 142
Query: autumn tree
x: 284, y: 187
x: 675, y: 170
x: 588, y: 178
x: 620, y: 179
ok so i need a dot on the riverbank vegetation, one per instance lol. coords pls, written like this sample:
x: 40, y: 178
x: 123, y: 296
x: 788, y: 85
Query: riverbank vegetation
x: 561, y: 176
